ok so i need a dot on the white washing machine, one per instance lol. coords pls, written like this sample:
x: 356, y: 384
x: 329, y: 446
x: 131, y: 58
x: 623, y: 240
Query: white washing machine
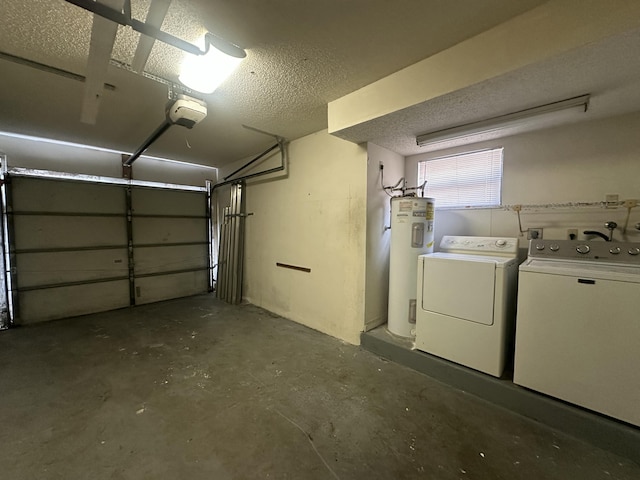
x: 578, y: 325
x: 466, y: 301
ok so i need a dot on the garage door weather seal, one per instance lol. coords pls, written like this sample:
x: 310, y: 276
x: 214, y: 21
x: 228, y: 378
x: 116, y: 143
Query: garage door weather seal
x: 75, y: 177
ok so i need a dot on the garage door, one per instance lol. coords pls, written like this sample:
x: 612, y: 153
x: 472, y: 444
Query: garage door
x: 76, y: 250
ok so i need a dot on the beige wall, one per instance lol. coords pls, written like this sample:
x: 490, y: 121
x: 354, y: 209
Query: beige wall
x: 313, y: 216
x: 578, y: 163
x: 378, y: 235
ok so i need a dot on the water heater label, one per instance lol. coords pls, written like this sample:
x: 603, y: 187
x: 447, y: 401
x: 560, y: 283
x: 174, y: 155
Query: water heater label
x: 430, y: 211
x: 402, y: 217
x: 405, y: 206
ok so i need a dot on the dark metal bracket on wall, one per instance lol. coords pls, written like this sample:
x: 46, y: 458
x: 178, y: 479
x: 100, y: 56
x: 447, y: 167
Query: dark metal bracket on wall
x: 127, y: 168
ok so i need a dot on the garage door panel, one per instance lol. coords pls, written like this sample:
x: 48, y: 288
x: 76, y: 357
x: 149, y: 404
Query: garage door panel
x: 167, y: 202
x: 35, y: 231
x: 47, y: 268
x: 41, y: 195
x: 54, y: 303
x: 168, y: 230
x: 169, y: 234
x: 164, y: 287
x: 71, y: 239
x: 171, y: 258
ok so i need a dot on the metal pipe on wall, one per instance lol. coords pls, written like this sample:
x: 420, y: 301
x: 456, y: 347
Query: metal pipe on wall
x: 251, y: 162
x: 279, y: 168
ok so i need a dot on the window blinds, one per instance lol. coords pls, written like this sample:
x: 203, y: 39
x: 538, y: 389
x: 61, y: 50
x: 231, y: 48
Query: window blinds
x: 472, y: 179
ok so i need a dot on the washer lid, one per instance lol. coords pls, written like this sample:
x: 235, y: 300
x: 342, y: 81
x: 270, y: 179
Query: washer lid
x: 622, y: 273
x: 500, y: 262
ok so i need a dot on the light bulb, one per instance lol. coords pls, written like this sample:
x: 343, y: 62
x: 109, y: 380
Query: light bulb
x: 205, y: 73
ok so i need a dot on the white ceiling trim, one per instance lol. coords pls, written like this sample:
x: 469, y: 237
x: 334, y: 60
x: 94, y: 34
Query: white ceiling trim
x: 103, y: 37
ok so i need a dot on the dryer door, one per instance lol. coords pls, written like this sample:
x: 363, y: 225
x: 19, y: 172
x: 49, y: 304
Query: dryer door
x: 463, y: 289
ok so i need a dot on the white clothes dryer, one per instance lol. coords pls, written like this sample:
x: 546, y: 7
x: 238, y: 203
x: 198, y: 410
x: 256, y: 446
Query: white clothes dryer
x: 466, y: 301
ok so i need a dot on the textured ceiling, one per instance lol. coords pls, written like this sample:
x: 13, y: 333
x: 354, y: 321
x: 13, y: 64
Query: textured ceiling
x: 608, y: 70
x: 301, y: 55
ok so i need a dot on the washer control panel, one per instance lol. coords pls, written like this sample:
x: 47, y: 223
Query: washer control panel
x: 479, y: 245
x: 595, y: 251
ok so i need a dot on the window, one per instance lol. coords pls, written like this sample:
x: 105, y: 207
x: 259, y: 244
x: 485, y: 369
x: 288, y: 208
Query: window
x: 470, y: 179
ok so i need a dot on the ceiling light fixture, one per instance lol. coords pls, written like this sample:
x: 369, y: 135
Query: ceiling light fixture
x: 528, y: 119
x: 205, y: 73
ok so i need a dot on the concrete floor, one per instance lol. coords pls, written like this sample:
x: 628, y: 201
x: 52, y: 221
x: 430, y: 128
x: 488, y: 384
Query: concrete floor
x: 196, y: 389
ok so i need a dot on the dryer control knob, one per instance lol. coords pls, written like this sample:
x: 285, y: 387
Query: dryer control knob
x: 634, y: 251
x: 615, y: 250
x: 501, y: 243
x: 554, y: 247
x: 539, y: 246
x: 583, y: 249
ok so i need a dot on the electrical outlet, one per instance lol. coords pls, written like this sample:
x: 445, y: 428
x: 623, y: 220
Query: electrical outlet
x: 611, y: 200
x: 534, y: 233
x: 572, y: 233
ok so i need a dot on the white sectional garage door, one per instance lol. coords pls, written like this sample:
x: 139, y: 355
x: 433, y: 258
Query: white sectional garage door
x: 76, y: 250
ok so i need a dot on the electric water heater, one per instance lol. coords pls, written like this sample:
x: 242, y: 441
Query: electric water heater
x: 411, y: 236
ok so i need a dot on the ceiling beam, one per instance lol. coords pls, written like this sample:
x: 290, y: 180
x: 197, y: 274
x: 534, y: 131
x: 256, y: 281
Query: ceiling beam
x: 103, y: 36
x: 43, y: 67
x: 123, y: 17
x: 155, y: 16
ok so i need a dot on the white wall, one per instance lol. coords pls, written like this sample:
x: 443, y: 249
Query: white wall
x: 378, y: 235
x: 46, y: 155
x: 577, y: 163
x: 313, y: 216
